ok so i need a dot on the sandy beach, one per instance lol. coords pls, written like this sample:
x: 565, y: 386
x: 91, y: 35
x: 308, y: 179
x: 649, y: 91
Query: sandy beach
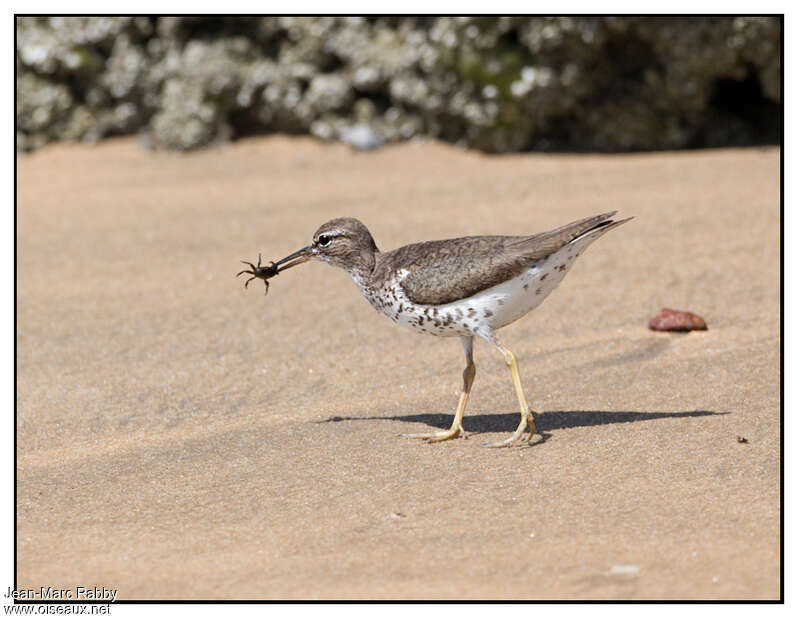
x: 180, y: 437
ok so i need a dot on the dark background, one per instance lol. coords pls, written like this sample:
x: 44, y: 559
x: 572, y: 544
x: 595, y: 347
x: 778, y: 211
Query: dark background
x: 497, y: 84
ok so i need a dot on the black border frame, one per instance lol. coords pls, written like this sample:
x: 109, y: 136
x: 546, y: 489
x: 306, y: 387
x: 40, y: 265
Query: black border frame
x: 781, y: 130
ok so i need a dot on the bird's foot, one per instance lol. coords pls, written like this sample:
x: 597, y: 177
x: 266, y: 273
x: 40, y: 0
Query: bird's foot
x: 526, y: 422
x: 532, y: 425
x: 451, y: 433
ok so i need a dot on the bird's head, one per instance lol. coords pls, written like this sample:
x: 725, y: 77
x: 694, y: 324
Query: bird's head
x: 344, y: 242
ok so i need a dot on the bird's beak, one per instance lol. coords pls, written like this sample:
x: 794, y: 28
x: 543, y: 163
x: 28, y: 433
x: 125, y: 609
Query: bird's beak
x: 301, y: 256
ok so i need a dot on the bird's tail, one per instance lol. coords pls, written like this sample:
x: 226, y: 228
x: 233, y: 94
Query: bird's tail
x: 600, y: 228
x: 547, y: 243
x: 592, y: 234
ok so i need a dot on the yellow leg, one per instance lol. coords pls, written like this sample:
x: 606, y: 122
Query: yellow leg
x: 526, y: 414
x: 455, y: 428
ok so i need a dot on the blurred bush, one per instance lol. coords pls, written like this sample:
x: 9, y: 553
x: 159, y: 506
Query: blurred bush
x: 492, y: 83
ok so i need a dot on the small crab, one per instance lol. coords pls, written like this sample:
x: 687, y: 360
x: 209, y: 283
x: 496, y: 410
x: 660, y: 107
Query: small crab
x: 274, y: 268
x: 257, y: 271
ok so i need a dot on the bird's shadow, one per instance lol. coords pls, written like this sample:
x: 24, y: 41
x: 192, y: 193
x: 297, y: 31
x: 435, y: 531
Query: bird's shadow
x: 546, y: 421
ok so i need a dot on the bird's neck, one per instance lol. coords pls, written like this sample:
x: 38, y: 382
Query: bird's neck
x: 361, y: 269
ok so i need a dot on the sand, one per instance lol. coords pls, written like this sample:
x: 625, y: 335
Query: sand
x: 179, y: 437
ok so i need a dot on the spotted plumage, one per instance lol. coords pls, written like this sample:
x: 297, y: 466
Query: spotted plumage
x: 398, y: 287
x: 466, y: 287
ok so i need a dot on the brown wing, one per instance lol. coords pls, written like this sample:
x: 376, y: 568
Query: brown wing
x: 441, y: 272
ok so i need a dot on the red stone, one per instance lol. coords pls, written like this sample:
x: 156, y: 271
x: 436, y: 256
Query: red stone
x: 676, y: 321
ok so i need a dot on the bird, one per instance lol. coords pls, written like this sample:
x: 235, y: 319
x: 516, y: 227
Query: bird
x: 465, y: 287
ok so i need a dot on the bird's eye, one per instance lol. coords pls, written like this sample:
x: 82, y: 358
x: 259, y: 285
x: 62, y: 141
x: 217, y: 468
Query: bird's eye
x: 324, y: 240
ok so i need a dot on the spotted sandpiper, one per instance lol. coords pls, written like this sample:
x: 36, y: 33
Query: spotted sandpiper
x: 465, y: 287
